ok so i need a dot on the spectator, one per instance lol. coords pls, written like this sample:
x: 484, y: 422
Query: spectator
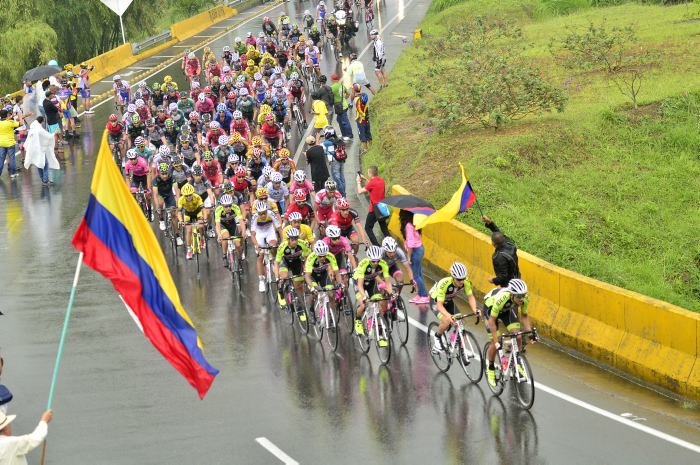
x: 319, y: 110
x: 316, y: 159
x: 337, y: 154
x: 356, y: 70
x: 505, y: 255
x: 326, y: 94
x: 64, y: 98
x: 7, y: 142
x: 52, y: 117
x: 84, y: 86
x: 375, y: 188
x: 41, y: 89
x: 415, y: 252
x: 13, y: 449
x: 340, y: 107
x: 362, y: 118
x: 40, y: 150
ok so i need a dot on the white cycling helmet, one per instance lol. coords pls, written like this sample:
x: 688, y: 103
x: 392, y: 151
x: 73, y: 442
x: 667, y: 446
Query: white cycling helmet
x: 374, y: 253
x: 237, y: 114
x: 299, y: 175
x: 321, y: 248
x: 190, y: 55
x: 131, y: 108
x: 117, y: 77
x: 267, y: 171
x: 458, y: 271
x: 332, y: 231
x: 233, y: 158
x: 295, y: 216
x: 131, y: 154
x: 517, y: 287
x: 261, y: 206
x: 202, y: 97
x: 223, y: 139
x: 389, y: 244
x: 292, y: 233
x: 276, y: 177
x: 163, y: 150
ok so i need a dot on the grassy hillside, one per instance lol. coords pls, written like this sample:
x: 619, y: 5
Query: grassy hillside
x: 602, y: 189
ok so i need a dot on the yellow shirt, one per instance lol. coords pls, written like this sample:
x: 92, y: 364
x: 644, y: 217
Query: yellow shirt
x: 305, y: 233
x: 191, y: 206
x: 320, y: 111
x: 7, y: 132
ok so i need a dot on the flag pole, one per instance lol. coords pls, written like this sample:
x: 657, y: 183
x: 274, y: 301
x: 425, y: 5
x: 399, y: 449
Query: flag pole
x: 476, y: 198
x: 61, y: 343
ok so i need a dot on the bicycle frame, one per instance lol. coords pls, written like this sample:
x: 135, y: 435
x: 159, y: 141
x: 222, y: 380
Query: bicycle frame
x: 375, y: 313
x: 323, y: 302
x: 508, y: 362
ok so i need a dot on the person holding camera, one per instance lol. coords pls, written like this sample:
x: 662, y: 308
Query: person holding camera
x: 84, y: 86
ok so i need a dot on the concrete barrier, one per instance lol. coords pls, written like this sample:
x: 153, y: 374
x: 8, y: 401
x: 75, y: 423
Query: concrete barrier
x: 200, y: 22
x: 652, y: 340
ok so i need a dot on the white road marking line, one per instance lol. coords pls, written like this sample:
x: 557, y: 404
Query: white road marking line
x: 177, y: 61
x: 138, y: 67
x: 203, y: 37
x: 276, y: 451
x: 218, y: 27
x: 592, y: 408
x: 162, y: 56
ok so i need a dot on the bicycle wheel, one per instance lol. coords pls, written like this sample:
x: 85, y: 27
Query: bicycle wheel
x: 441, y: 358
x: 401, y: 322
x: 498, y: 389
x: 302, y: 317
x: 383, y: 344
x: 525, y: 387
x: 470, y: 357
x: 319, y: 323
x: 289, y: 309
x: 332, y: 331
x: 363, y: 339
x: 347, y: 313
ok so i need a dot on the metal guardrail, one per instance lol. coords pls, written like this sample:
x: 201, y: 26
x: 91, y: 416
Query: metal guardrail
x: 151, y: 41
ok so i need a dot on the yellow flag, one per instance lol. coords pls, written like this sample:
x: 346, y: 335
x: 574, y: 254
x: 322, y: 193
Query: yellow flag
x: 461, y: 200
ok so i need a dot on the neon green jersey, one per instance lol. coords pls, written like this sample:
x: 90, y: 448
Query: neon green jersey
x: 314, y: 267
x: 288, y: 254
x: 367, y: 271
x: 446, y: 290
x: 500, y: 302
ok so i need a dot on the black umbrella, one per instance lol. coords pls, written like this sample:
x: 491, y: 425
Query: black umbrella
x: 411, y: 203
x: 40, y: 72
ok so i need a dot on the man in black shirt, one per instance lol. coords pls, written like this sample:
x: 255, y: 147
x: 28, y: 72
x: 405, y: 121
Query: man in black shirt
x: 505, y: 257
x: 325, y: 93
x: 53, y: 118
x: 316, y: 158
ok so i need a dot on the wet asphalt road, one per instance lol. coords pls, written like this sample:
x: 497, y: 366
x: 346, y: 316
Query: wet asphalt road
x: 119, y: 402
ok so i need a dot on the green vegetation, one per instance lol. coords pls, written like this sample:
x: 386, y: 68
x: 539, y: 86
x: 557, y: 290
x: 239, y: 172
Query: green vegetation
x: 604, y: 189
x: 35, y: 31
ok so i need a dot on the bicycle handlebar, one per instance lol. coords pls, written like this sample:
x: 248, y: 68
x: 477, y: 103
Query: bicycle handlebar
x: 460, y: 316
x: 533, y: 332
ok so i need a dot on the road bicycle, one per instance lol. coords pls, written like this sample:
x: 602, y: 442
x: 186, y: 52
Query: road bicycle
x: 509, y: 357
x: 460, y: 344
x: 169, y: 232
x: 234, y: 263
x: 117, y: 155
x: 345, y: 310
x: 196, y: 241
x: 397, y: 314
x: 269, y: 274
x: 299, y: 117
x: 140, y: 195
x: 325, y: 317
x: 295, y: 304
x: 375, y: 329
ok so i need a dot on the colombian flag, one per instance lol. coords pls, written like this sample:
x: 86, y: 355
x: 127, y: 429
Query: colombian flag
x: 460, y: 202
x: 118, y: 243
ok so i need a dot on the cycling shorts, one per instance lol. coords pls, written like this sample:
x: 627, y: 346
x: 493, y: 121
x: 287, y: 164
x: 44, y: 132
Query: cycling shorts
x: 188, y: 216
x: 293, y: 268
x: 139, y: 180
x: 168, y: 199
x: 448, y: 304
x: 230, y: 228
x: 508, y: 318
x: 114, y: 138
x: 349, y: 232
x: 266, y: 236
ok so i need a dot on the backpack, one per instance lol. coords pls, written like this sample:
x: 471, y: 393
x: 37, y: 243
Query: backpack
x: 340, y: 153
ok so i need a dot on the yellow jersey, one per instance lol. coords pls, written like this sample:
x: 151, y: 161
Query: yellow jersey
x: 305, y: 233
x: 191, y: 206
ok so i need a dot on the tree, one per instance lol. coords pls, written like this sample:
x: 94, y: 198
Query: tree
x: 614, y: 51
x: 478, y: 74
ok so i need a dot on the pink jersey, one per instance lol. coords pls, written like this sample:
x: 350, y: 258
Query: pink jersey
x: 306, y: 186
x: 343, y: 245
x: 140, y: 168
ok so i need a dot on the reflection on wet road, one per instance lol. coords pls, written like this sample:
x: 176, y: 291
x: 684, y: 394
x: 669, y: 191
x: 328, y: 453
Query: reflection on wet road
x: 118, y: 401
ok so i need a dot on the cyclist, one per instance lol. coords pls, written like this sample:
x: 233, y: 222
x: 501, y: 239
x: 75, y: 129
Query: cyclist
x: 229, y: 223
x: 212, y: 169
x: 204, y: 189
x: 284, y: 165
x: 257, y: 163
x: 141, y: 150
x: 278, y: 191
x: 503, y: 303
x: 115, y: 134
x: 246, y: 105
x: 305, y: 232
x: 271, y: 132
x: 170, y: 132
x: 312, y: 57
x: 239, y: 126
x: 265, y: 177
x: 269, y: 28
x: 154, y: 134
x: 397, y: 260
x: 340, y: 247
x: 325, y: 203
x: 186, y: 149
x: 300, y: 206
x: 300, y: 182
x: 181, y: 173
x: 308, y: 21
x: 121, y: 91
x: 348, y: 220
x: 442, y: 296
x: 233, y: 162
x: 320, y: 272
x: 244, y: 189
x: 190, y: 206
x: 135, y: 129
x: 137, y: 174
x: 261, y: 194
x: 264, y: 226
x: 291, y: 255
x: 165, y: 191
x: 372, y: 277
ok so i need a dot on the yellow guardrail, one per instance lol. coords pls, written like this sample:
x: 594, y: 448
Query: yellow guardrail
x: 647, y: 338
x: 200, y: 22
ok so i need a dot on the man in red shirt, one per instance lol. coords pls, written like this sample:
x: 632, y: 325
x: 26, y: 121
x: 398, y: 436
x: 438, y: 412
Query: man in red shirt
x: 375, y: 187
